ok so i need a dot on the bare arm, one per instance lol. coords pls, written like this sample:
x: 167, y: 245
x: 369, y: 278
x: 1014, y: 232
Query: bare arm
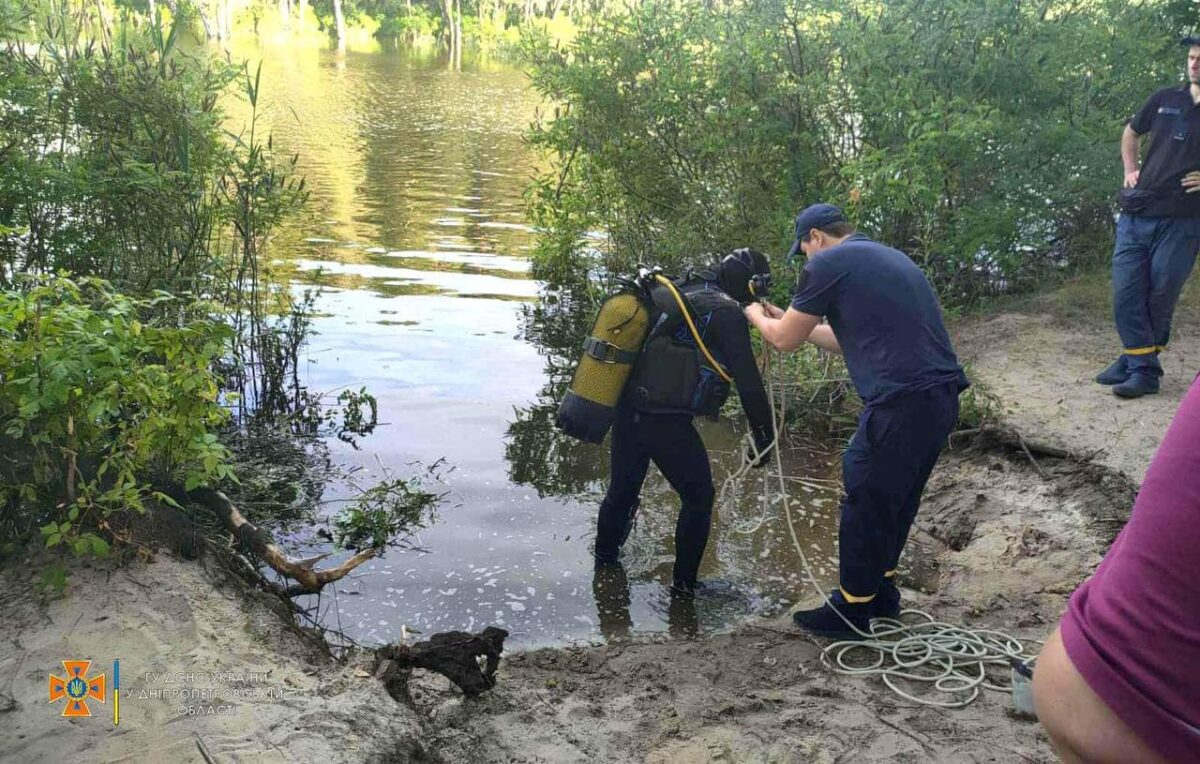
x: 786, y: 333
x: 1130, y: 149
x: 823, y: 337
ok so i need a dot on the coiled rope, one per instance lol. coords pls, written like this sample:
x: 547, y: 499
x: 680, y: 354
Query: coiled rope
x: 953, y: 660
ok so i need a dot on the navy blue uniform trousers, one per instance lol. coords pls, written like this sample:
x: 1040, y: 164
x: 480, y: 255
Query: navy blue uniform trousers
x: 1151, y: 261
x: 672, y: 443
x: 884, y: 471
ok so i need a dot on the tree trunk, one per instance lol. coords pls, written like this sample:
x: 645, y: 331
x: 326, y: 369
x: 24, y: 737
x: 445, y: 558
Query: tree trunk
x: 285, y: 13
x: 458, y: 51
x: 457, y: 33
x: 303, y: 13
x: 153, y: 11
x: 205, y: 21
x: 340, y: 20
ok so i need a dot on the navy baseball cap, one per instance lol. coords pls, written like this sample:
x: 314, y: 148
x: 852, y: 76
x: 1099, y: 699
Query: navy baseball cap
x: 813, y: 216
x: 1192, y: 39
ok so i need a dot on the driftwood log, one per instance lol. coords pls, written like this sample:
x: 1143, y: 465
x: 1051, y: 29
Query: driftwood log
x: 453, y: 654
x: 308, y: 579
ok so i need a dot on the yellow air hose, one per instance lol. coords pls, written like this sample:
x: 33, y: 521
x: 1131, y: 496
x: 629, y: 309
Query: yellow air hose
x: 687, y: 316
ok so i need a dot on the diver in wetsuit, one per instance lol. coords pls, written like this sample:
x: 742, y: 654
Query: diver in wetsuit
x: 672, y: 383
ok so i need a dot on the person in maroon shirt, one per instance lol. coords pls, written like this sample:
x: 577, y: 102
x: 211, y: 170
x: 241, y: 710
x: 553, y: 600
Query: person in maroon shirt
x: 1119, y: 679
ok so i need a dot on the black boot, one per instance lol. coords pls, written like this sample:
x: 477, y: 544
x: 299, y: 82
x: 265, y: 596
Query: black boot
x: 1139, y: 383
x: 1116, y: 373
x: 605, y: 551
x: 837, y: 622
x: 887, y: 600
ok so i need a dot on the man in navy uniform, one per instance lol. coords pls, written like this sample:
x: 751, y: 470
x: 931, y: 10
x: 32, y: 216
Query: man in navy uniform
x: 884, y: 317
x: 1158, y: 230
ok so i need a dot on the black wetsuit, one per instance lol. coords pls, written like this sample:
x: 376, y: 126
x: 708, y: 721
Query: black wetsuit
x: 668, y: 438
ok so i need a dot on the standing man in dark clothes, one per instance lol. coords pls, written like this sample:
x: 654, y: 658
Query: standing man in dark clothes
x: 1158, y: 230
x: 673, y: 382
x: 884, y: 317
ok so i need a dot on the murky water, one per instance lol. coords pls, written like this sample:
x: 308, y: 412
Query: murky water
x: 417, y: 237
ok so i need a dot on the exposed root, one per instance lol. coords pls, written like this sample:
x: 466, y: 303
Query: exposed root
x: 453, y: 654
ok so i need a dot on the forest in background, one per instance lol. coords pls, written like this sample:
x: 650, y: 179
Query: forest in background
x: 979, y: 136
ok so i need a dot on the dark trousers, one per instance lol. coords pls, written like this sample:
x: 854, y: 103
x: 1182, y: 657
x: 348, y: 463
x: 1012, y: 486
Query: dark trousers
x: 672, y: 443
x: 884, y: 470
x: 1151, y: 261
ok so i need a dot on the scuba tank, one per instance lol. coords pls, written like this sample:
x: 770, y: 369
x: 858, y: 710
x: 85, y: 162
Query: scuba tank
x: 590, y: 405
x: 614, y: 345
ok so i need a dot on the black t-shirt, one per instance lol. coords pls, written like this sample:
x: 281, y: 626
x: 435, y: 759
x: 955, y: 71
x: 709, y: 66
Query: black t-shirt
x: 886, y: 317
x: 1173, y: 121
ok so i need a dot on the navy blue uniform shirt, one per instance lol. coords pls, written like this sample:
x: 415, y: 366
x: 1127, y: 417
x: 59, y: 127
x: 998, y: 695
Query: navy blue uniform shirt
x: 885, y: 315
x: 1173, y: 121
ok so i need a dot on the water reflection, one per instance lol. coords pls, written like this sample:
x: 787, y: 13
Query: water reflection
x: 537, y: 453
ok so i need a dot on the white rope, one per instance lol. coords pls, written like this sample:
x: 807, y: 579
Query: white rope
x: 953, y: 659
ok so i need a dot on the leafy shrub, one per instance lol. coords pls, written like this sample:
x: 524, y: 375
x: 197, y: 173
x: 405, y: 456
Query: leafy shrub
x: 102, y: 396
x: 979, y: 136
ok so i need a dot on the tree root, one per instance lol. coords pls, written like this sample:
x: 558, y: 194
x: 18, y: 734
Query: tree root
x: 308, y: 579
x: 453, y: 654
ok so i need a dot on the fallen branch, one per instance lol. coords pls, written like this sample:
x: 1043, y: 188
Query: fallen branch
x: 309, y: 580
x: 453, y: 654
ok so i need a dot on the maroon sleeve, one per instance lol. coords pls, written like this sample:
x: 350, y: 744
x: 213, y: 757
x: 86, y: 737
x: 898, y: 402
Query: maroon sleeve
x: 1133, y: 629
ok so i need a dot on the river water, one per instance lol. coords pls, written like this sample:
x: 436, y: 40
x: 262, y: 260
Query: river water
x: 417, y: 238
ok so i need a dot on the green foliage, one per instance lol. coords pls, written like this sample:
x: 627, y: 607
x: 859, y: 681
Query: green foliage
x: 660, y: 139
x: 360, y: 413
x: 978, y: 405
x: 102, y: 396
x: 117, y: 164
x: 384, y: 513
x: 124, y: 111
x: 396, y: 21
x: 979, y: 136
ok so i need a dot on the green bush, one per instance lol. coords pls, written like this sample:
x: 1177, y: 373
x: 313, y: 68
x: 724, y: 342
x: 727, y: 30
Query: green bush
x: 979, y: 136
x: 102, y: 396
x: 112, y: 152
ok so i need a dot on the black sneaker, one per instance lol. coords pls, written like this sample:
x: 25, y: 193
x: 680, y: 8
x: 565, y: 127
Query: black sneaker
x: 839, y: 623
x: 1139, y: 383
x: 887, y: 600
x: 1116, y: 373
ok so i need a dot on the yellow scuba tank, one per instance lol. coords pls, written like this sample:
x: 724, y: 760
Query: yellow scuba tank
x: 590, y: 405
